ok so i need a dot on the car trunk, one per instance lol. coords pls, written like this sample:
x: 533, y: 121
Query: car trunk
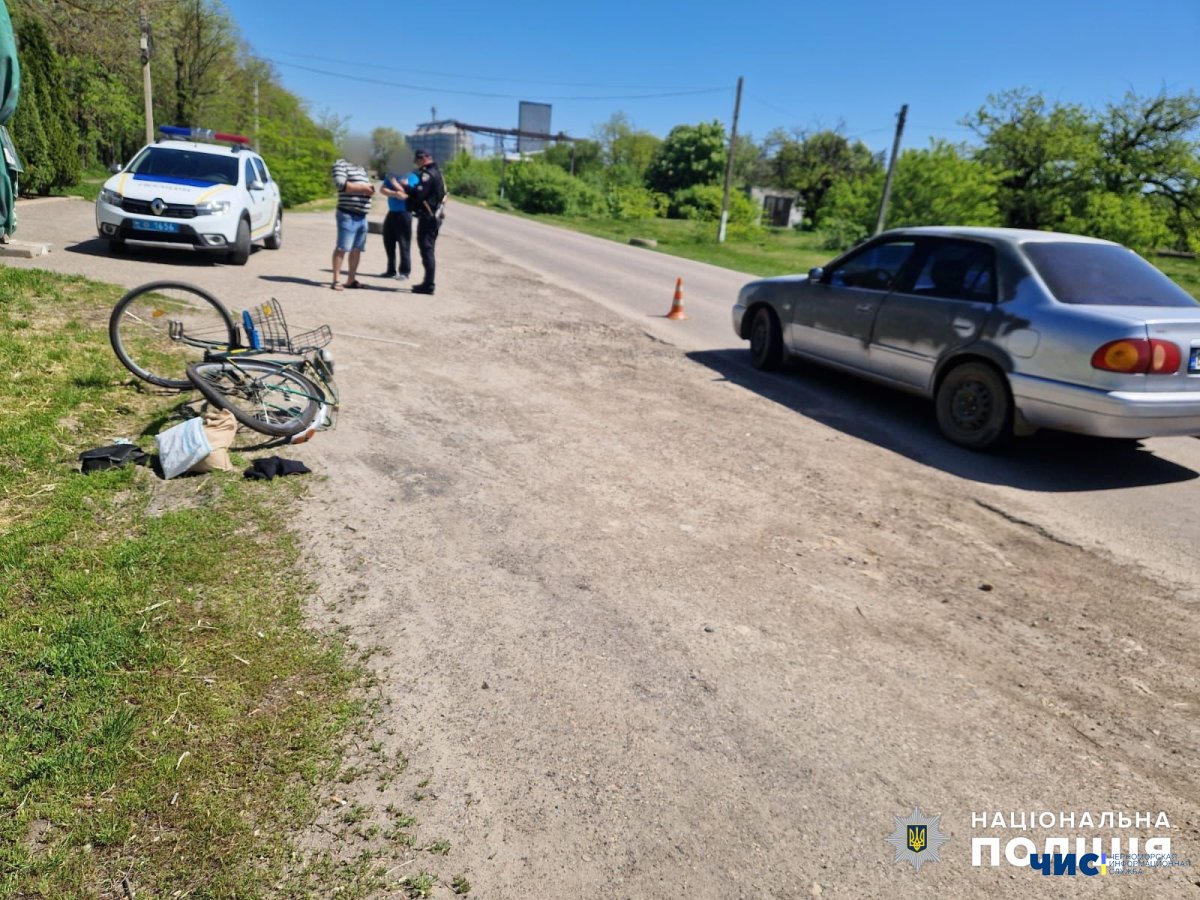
x: 1179, y: 326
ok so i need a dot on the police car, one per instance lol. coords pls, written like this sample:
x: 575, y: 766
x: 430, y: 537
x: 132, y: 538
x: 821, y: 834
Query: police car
x: 215, y: 197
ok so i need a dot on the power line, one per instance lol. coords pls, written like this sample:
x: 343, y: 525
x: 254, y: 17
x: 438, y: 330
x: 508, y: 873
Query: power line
x: 441, y: 90
x: 495, y: 78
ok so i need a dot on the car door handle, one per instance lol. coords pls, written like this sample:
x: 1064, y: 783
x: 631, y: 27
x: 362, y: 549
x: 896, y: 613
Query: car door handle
x: 864, y: 307
x: 964, y: 327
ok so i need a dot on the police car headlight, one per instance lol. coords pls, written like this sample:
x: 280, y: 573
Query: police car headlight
x: 212, y: 207
x: 110, y: 197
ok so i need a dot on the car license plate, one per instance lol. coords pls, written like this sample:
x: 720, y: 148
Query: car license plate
x: 170, y: 227
x: 1194, y: 361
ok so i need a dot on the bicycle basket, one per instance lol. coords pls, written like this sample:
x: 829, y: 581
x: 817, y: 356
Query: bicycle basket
x: 271, y: 325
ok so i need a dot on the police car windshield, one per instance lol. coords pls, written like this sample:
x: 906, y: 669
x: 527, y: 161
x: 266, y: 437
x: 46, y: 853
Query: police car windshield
x: 186, y: 166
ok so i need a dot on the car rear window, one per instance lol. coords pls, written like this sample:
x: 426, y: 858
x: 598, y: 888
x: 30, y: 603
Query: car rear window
x: 1103, y: 275
x: 186, y: 166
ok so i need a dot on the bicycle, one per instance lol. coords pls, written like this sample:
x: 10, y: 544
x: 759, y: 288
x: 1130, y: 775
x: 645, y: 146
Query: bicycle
x: 178, y: 336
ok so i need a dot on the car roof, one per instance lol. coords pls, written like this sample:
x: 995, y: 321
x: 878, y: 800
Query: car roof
x: 998, y: 235
x: 197, y: 146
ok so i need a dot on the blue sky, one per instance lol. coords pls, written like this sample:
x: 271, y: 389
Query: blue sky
x: 806, y: 65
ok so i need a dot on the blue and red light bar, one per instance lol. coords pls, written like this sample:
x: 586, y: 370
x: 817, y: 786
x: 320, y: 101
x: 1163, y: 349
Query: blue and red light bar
x: 204, y: 133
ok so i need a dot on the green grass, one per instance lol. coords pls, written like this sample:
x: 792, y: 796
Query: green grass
x: 767, y: 252
x: 168, y: 717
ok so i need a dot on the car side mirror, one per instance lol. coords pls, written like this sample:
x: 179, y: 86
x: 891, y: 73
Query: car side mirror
x: 114, y: 168
x: 816, y: 273
x: 256, y: 185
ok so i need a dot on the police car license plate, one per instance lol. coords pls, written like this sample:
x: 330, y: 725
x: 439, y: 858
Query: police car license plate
x: 170, y: 227
x: 1194, y: 361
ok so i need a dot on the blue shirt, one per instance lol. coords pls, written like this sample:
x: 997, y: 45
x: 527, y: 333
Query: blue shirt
x: 395, y: 204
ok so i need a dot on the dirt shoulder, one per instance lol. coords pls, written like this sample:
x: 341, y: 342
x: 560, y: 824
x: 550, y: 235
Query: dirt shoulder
x: 644, y: 633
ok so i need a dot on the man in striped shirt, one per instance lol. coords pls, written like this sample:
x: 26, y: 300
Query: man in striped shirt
x: 355, y: 190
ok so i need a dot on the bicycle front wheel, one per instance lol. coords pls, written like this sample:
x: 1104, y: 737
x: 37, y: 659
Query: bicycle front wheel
x: 158, y: 328
x: 267, y: 397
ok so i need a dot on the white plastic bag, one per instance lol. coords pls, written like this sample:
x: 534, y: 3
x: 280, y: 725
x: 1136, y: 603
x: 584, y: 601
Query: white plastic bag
x: 182, y: 446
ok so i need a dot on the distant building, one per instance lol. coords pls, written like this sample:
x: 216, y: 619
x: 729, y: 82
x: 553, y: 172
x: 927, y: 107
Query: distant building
x: 780, y: 209
x: 444, y: 139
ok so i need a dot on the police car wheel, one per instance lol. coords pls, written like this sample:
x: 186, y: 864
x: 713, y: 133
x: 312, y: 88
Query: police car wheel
x: 274, y: 240
x: 241, y: 247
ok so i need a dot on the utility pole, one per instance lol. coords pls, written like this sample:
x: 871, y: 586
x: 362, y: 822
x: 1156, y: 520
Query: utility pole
x: 144, y: 19
x: 256, y: 144
x: 737, y: 106
x: 887, y: 182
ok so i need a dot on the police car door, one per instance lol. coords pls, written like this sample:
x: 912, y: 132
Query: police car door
x: 260, y: 207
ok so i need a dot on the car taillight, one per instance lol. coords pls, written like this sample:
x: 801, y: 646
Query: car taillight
x: 1138, y: 356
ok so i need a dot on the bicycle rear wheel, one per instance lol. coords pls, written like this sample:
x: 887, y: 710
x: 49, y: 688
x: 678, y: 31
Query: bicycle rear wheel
x: 267, y: 397
x: 158, y: 328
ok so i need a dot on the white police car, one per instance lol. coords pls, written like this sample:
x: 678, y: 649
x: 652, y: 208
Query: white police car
x: 180, y: 192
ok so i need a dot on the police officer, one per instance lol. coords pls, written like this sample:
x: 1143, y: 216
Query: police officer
x: 424, y: 201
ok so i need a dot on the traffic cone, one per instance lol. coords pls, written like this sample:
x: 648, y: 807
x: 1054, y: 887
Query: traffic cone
x: 677, y: 304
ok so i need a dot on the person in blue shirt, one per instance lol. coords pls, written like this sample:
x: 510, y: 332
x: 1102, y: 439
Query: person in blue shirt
x: 397, y: 224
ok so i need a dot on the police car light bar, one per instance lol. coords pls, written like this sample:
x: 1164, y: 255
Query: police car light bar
x: 205, y: 133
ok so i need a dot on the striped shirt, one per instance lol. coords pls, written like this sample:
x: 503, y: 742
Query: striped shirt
x: 345, y: 173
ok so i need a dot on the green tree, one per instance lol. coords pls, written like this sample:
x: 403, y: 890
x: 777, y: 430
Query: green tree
x: 1150, y: 160
x: 942, y: 185
x: 750, y: 165
x: 43, y: 130
x: 203, y: 51
x: 814, y: 164
x: 1047, y: 156
x: 584, y: 157
x: 691, y: 154
x: 389, y: 151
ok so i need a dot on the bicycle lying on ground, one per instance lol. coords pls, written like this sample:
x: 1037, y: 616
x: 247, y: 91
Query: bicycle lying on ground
x: 179, y: 336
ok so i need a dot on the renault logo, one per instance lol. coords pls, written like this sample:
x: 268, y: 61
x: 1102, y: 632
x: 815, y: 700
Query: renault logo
x: 157, y: 206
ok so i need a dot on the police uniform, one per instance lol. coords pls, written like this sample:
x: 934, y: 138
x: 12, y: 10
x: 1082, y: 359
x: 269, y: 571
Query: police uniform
x: 424, y: 200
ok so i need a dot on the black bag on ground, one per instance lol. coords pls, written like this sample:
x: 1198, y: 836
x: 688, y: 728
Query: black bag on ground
x: 112, y: 456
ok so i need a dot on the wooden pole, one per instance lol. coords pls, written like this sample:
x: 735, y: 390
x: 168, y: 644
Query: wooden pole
x: 737, y: 106
x: 887, y: 182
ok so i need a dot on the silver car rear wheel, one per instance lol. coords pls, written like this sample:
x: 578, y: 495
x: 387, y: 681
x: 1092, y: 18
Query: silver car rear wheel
x: 973, y: 407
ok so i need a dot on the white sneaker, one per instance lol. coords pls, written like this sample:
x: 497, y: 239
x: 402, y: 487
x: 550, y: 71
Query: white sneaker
x: 400, y: 276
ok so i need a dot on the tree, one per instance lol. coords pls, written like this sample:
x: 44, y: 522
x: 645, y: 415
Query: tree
x: 580, y: 157
x: 1150, y: 159
x: 691, y: 154
x: 1047, y: 156
x: 813, y: 164
x: 389, y: 150
x: 203, y: 49
x: 750, y: 165
x: 42, y: 128
x: 942, y: 185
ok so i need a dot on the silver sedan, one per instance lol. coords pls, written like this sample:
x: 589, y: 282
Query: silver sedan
x: 1008, y: 331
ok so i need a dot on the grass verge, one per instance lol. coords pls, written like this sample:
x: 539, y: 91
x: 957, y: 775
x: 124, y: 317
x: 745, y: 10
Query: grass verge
x: 168, y: 717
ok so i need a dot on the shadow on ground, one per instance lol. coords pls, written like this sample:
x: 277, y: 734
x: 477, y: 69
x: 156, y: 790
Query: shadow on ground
x: 1048, y: 461
x: 173, y: 256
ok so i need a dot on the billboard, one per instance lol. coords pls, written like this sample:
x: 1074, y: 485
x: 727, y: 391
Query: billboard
x: 532, y: 117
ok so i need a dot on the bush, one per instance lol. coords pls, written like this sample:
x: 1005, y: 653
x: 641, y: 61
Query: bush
x: 635, y: 202
x: 837, y: 233
x: 535, y: 187
x: 470, y: 177
x: 702, y: 202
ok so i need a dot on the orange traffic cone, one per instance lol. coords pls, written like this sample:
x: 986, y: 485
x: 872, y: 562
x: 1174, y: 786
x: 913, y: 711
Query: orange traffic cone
x: 677, y: 304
